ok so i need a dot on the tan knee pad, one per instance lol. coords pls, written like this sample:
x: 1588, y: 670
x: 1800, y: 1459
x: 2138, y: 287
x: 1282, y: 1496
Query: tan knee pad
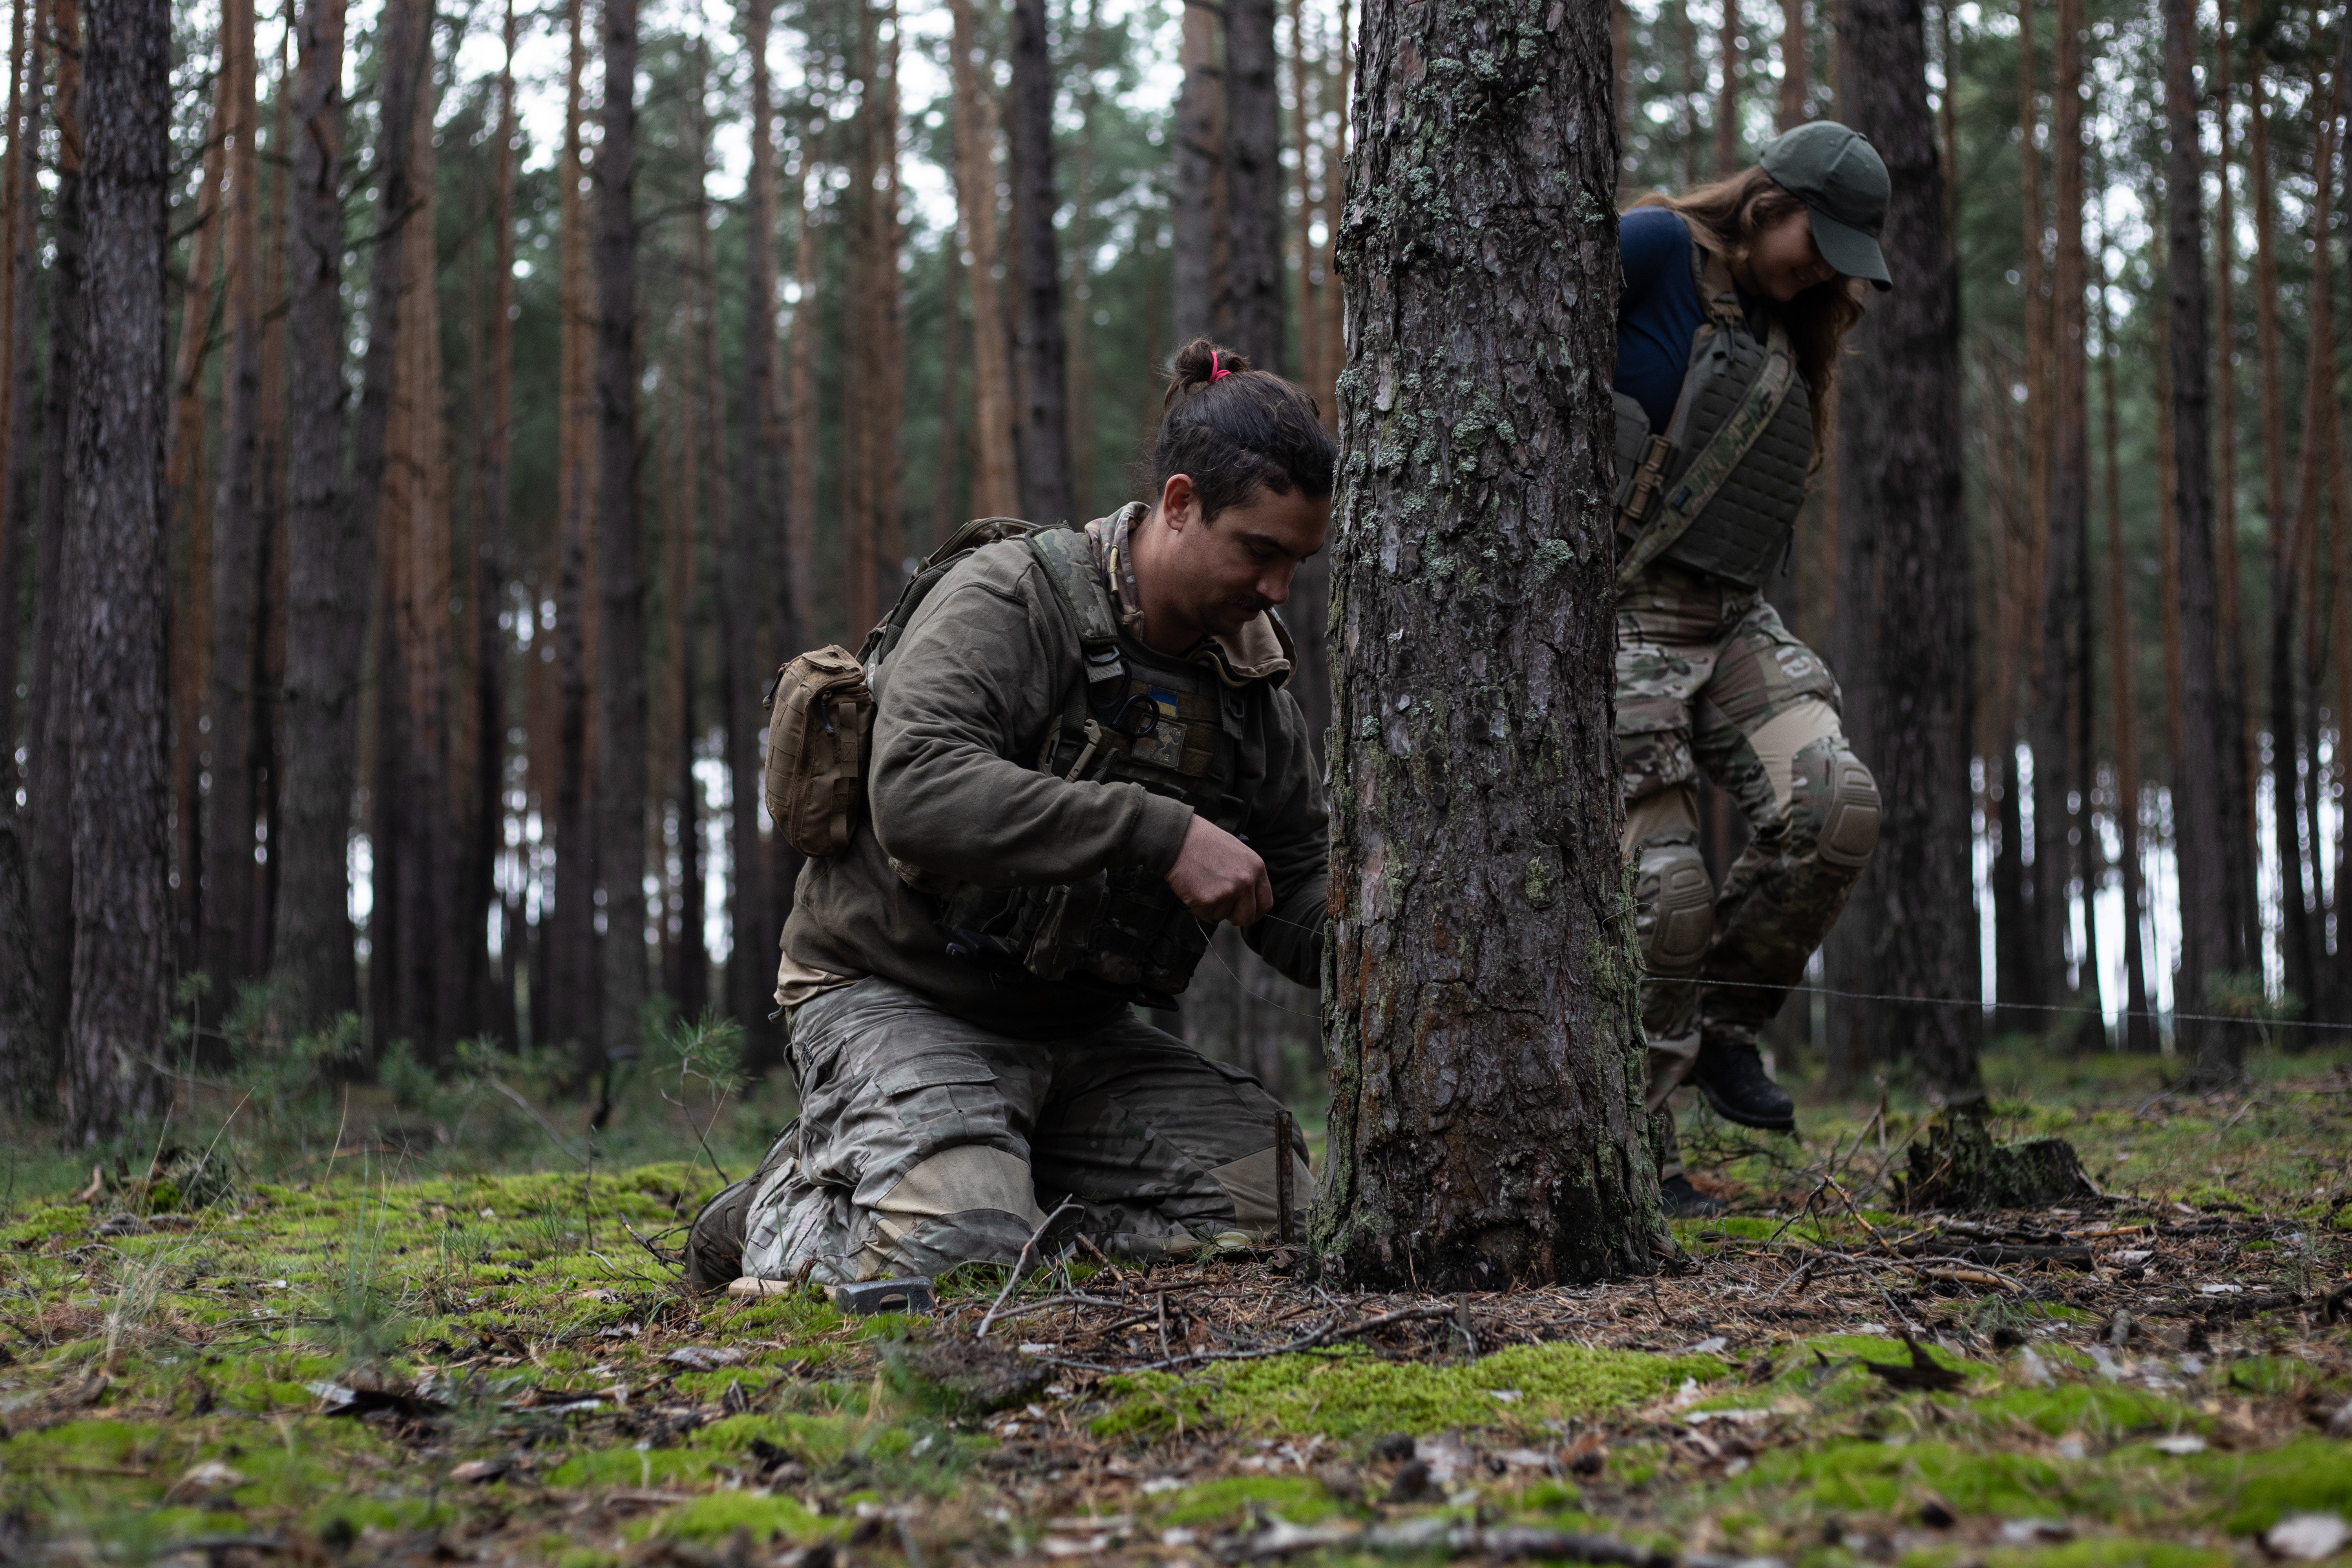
x: 1676, y: 905
x: 1837, y: 804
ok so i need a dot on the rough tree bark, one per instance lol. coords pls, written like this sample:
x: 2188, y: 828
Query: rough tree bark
x: 2212, y: 924
x: 116, y: 565
x: 14, y: 279
x: 1905, y: 569
x: 873, y: 376
x: 326, y: 570
x: 621, y: 582
x: 231, y: 909
x: 1249, y: 304
x: 1483, y: 1026
x: 1041, y: 375
x: 2242, y: 767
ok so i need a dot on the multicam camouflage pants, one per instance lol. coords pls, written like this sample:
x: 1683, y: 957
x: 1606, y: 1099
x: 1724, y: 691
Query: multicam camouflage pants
x: 1709, y: 682
x: 925, y: 1142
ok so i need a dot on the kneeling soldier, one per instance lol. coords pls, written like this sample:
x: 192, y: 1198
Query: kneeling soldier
x: 1083, y: 757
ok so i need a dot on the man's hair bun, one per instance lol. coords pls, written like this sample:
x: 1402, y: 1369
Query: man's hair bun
x: 1237, y: 431
x: 1200, y: 363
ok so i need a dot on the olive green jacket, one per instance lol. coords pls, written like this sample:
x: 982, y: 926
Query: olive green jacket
x: 963, y: 708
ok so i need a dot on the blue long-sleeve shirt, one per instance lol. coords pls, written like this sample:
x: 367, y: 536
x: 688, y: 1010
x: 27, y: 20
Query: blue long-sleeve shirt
x: 1659, y: 312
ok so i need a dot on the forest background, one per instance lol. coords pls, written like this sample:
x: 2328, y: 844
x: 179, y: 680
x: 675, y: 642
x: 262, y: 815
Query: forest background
x: 852, y: 317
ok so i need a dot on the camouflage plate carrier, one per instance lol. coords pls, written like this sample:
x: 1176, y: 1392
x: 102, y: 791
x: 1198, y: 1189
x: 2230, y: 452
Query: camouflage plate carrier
x: 1720, y: 490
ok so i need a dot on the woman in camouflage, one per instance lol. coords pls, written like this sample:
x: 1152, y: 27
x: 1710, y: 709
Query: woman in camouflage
x: 1737, y: 298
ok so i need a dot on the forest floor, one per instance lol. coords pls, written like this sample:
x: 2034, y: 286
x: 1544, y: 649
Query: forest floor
x: 378, y: 1344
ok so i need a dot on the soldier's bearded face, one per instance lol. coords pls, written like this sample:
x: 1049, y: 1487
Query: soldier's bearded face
x: 1232, y: 568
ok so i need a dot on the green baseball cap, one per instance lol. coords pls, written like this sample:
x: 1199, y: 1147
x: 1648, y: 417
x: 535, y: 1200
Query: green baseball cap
x: 1842, y: 182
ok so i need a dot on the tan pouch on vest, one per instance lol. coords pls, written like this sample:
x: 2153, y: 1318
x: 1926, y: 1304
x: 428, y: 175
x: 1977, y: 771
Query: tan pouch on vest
x: 820, y: 715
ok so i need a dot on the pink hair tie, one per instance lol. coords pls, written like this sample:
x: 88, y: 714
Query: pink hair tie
x: 1217, y: 372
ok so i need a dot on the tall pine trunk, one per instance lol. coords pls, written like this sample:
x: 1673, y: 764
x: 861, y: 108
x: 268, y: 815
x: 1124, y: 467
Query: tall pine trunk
x: 1790, y: 113
x: 621, y: 583
x: 749, y: 532
x: 1249, y: 311
x: 491, y: 992
x: 994, y: 486
x: 873, y: 375
x: 2213, y: 923
x: 1727, y: 102
x: 1905, y: 564
x: 1192, y: 200
x: 2122, y: 652
x: 327, y: 567
x: 1041, y: 375
x: 1486, y: 1122
x: 50, y: 868
x: 115, y: 570
x: 2041, y: 949
x: 2063, y: 831
x: 231, y: 905
x: 15, y: 277
x: 2242, y: 766
x: 570, y: 971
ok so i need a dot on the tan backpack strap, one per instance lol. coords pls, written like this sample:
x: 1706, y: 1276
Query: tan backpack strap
x: 1717, y: 295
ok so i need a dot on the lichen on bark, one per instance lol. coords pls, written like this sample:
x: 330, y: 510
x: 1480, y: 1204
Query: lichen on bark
x: 1481, y: 987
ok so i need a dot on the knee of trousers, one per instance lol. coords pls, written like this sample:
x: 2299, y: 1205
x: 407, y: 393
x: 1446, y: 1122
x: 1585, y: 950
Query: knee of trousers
x: 1833, y: 808
x: 1673, y: 903
x: 967, y: 1203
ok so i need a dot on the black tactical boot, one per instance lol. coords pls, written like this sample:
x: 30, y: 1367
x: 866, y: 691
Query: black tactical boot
x: 1732, y: 1075
x: 714, y: 1246
x: 1683, y: 1201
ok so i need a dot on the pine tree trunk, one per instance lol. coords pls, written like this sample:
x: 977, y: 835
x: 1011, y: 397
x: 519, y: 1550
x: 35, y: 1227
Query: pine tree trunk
x: 230, y: 906
x: 570, y: 972
x: 1486, y: 1123
x: 15, y: 280
x: 50, y: 870
x: 2213, y: 924
x: 17, y: 501
x: 2041, y: 945
x: 1192, y: 202
x: 326, y: 568
x: 873, y: 378
x: 490, y: 990
x: 2244, y: 763
x: 2123, y: 653
x: 621, y: 584
x: 2321, y: 431
x: 801, y: 406
x: 1249, y: 315
x: 1794, y: 86
x: 1727, y: 103
x: 2279, y: 531
x: 1041, y: 375
x: 995, y: 488
x: 269, y: 481
x: 1909, y: 696
x: 750, y: 531
x: 116, y: 565
x: 2060, y: 772
x: 2340, y: 620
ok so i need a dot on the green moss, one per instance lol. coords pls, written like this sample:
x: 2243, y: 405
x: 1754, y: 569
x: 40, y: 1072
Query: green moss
x: 629, y: 1466
x: 59, y: 1219
x: 2251, y: 1490
x: 721, y: 1514
x: 2113, y: 1551
x: 1298, y: 1499
x: 2102, y: 1410
x: 1357, y: 1395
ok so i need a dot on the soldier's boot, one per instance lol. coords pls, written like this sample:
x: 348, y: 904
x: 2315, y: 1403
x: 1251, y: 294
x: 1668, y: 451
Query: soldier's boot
x: 1730, y: 1072
x: 714, y: 1246
x: 1683, y: 1201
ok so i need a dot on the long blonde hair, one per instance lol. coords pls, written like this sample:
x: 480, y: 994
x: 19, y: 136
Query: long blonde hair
x: 1724, y: 217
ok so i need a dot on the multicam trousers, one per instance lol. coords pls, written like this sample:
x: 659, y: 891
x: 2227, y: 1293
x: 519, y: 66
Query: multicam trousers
x: 925, y: 1141
x: 1709, y: 682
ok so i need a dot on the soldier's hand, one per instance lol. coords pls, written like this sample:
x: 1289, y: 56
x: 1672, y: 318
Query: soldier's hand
x: 1219, y: 877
